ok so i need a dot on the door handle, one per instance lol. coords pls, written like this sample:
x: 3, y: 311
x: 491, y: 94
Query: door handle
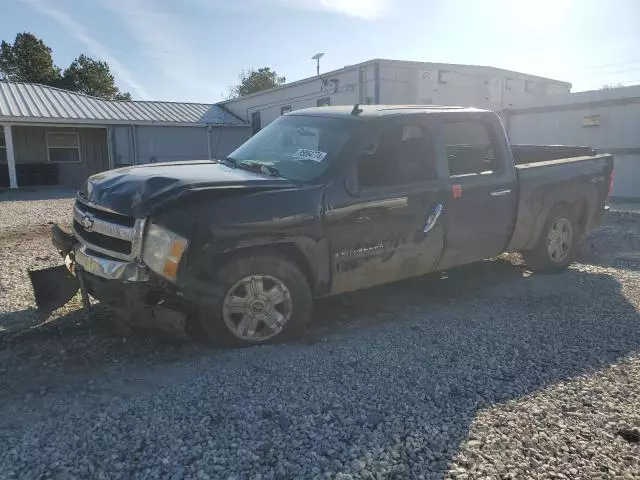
x: 433, y: 218
x: 500, y: 193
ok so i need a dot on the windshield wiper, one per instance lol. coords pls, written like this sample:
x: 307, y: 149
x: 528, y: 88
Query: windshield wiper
x: 259, y: 167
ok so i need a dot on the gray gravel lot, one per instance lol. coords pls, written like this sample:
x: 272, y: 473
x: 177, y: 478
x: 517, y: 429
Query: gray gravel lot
x: 493, y: 373
x: 23, y: 210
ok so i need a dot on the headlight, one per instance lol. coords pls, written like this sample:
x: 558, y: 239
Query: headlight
x: 163, y: 250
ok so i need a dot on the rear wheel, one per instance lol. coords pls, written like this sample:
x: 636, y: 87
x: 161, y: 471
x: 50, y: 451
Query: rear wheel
x: 265, y: 299
x: 558, y: 242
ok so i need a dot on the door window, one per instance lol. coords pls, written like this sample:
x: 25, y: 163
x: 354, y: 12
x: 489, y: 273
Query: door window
x: 470, y: 149
x: 400, y: 155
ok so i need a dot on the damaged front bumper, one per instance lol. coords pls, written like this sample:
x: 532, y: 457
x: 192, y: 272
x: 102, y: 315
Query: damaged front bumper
x: 108, y: 268
x: 77, y: 254
x: 127, y: 288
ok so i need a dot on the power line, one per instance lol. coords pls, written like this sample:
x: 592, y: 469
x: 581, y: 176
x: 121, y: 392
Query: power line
x: 618, y: 71
x: 612, y: 64
x: 632, y: 83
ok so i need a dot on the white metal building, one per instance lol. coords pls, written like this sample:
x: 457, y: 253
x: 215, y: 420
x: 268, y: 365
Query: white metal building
x: 608, y: 120
x: 398, y: 82
x: 50, y: 136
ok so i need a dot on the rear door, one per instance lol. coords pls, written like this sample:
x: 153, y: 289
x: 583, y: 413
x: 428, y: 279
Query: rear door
x: 383, y: 225
x: 481, y: 200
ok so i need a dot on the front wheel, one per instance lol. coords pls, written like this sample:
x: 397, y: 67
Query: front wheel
x: 265, y: 299
x: 556, y: 248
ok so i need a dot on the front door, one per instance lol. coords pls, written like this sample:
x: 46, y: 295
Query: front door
x: 388, y: 227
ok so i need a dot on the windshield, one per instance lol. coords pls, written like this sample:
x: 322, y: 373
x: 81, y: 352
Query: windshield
x: 297, y: 147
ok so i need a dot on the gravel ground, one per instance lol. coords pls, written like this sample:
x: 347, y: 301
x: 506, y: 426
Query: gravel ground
x: 22, y: 210
x: 493, y: 373
x: 25, y: 222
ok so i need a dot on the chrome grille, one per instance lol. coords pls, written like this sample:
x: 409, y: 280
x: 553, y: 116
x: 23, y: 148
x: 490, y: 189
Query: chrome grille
x: 107, y: 232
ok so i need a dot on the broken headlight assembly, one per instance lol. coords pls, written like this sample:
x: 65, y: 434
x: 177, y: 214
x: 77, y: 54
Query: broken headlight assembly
x: 162, y: 251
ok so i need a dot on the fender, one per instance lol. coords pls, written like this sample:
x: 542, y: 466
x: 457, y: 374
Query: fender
x: 312, y: 256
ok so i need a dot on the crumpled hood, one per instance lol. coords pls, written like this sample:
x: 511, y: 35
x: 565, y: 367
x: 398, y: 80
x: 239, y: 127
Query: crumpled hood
x: 138, y: 190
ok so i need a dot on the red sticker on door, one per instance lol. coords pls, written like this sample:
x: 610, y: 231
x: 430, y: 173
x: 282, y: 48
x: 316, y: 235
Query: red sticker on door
x: 457, y: 190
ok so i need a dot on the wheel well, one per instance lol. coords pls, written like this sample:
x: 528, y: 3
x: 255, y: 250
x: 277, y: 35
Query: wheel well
x: 289, y: 251
x: 580, y: 208
x: 293, y: 252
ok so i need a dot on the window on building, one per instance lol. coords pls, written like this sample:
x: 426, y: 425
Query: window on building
x: 3, y: 147
x: 529, y: 86
x: 442, y: 74
x: 400, y: 155
x: 508, y: 83
x: 323, y: 102
x: 256, y: 122
x: 284, y: 110
x: 63, y: 147
x: 470, y: 149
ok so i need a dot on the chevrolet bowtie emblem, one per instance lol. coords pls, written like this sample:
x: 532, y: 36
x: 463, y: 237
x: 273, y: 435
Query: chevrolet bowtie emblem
x: 87, y: 222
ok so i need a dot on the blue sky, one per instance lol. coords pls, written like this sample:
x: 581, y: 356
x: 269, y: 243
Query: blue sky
x: 193, y: 50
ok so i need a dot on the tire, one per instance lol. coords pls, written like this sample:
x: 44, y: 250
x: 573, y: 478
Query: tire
x: 264, y: 299
x: 553, y: 238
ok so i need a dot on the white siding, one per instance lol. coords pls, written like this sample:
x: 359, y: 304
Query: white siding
x: 401, y: 83
x: 146, y: 144
x: 304, y: 95
x: 468, y: 86
x: 226, y: 140
x: 164, y: 144
x: 618, y: 114
x: 619, y: 126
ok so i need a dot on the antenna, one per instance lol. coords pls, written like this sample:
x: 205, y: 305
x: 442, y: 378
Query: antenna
x: 317, y: 58
x: 356, y: 110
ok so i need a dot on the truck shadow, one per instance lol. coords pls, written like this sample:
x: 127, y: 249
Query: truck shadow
x: 407, y: 366
x: 380, y: 304
x: 531, y: 331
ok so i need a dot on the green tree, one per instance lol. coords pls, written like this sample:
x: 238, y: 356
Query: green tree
x: 91, y: 77
x: 28, y: 59
x: 253, y: 81
x: 123, y: 96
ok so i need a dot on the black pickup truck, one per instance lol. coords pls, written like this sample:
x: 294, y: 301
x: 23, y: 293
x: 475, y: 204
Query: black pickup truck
x: 324, y: 201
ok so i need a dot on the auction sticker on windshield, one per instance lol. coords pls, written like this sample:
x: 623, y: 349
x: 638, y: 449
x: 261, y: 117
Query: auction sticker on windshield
x: 308, y: 154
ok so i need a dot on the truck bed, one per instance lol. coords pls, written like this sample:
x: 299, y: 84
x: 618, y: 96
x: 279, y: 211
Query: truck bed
x: 523, y: 154
x: 582, y: 182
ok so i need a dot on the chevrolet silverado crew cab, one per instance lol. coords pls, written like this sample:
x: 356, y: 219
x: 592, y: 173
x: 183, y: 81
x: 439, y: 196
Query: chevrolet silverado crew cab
x: 320, y: 202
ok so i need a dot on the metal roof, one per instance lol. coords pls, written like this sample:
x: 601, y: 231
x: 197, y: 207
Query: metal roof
x: 30, y: 102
